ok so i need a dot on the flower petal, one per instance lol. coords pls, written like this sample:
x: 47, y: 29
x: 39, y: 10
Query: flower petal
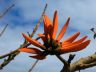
x: 72, y: 38
x: 63, y: 30
x: 42, y: 36
x: 33, y: 41
x: 76, y: 42
x: 64, y: 44
x: 47, y: 26
x: 74, y: 48
x: 39, y: 57
x: 30, y: 50
x: 55, y: 25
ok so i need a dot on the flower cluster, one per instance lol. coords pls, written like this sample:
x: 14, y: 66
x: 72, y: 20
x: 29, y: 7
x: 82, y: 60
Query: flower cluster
x: 51, y: 44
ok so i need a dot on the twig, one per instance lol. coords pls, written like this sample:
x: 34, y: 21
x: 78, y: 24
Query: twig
x: 66, y: 67
x: 66, y: 64
x: 7, y: 10
x: 30, y: 70
x: 36, y: 27
x: 71, y: 57
x: 3, y: 30
x: 10, y: 56
x: 38, y: 38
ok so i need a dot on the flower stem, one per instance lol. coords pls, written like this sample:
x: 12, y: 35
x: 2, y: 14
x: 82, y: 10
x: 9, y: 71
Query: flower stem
x: 62, y: 60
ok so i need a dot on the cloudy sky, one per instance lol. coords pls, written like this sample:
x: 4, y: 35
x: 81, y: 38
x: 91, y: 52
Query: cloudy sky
x: 25, y: 15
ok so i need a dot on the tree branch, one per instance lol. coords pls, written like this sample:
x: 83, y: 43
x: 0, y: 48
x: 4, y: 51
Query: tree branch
x: 84, y: 63
x: 6, y: 10
x: 81, y: 64
x: 30, y: 70
x: 62, y: 60
x: 3, y: 30
x: 37, y: 38
x: 10, y: 56
x: 66, y: 67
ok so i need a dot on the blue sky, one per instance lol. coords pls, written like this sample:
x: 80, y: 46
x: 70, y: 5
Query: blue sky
x: 25, y: 15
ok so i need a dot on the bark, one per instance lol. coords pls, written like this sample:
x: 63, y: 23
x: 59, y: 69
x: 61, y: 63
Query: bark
x: 81, y: 64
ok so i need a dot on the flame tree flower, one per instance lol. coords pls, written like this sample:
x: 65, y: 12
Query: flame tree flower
x: 52, y: 44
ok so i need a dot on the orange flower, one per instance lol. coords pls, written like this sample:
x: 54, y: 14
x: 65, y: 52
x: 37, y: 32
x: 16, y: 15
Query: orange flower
x: 52, y: 44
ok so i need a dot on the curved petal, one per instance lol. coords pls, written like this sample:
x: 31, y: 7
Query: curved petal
x: 33, y: 41
x: 74, y: 48
x: 74, y: 43
x: 42, y: 36
x: 30, y: 50
x: 64, y: 44
x: 55, y: 25
x: 39, y: 57
x: 72, y: 38
x: 63, y: 30
x: 47, y: 26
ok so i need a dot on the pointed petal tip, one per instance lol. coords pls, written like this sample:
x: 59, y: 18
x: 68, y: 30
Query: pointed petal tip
x: 67, y: 22
x: 72, y: 37
x: 85, y: 36
x: 56, y: 11
x: 38, y: 57
x: 69, y: 18
x: 33, y: 41
x: 78, y: 32
x: 23, y: 34
x: 55, y: 25
x: 88, y: 41
x: 85, y: 44
x: 75, y: 48
x: 63, y: 30
x: 41, y: 35
x: 65, y: 44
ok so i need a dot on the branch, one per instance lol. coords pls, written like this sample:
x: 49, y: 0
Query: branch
x: 7, y: 10
x: 3, y: 30
x: 71, y: 57
x: 84, y: 63
x: 62, y: 60
x: 66, y: 67
x: 37, y: 38
x: 81, y: 64
x: 10, y: 56
x: 36, y: 27
x: 30, y: 70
